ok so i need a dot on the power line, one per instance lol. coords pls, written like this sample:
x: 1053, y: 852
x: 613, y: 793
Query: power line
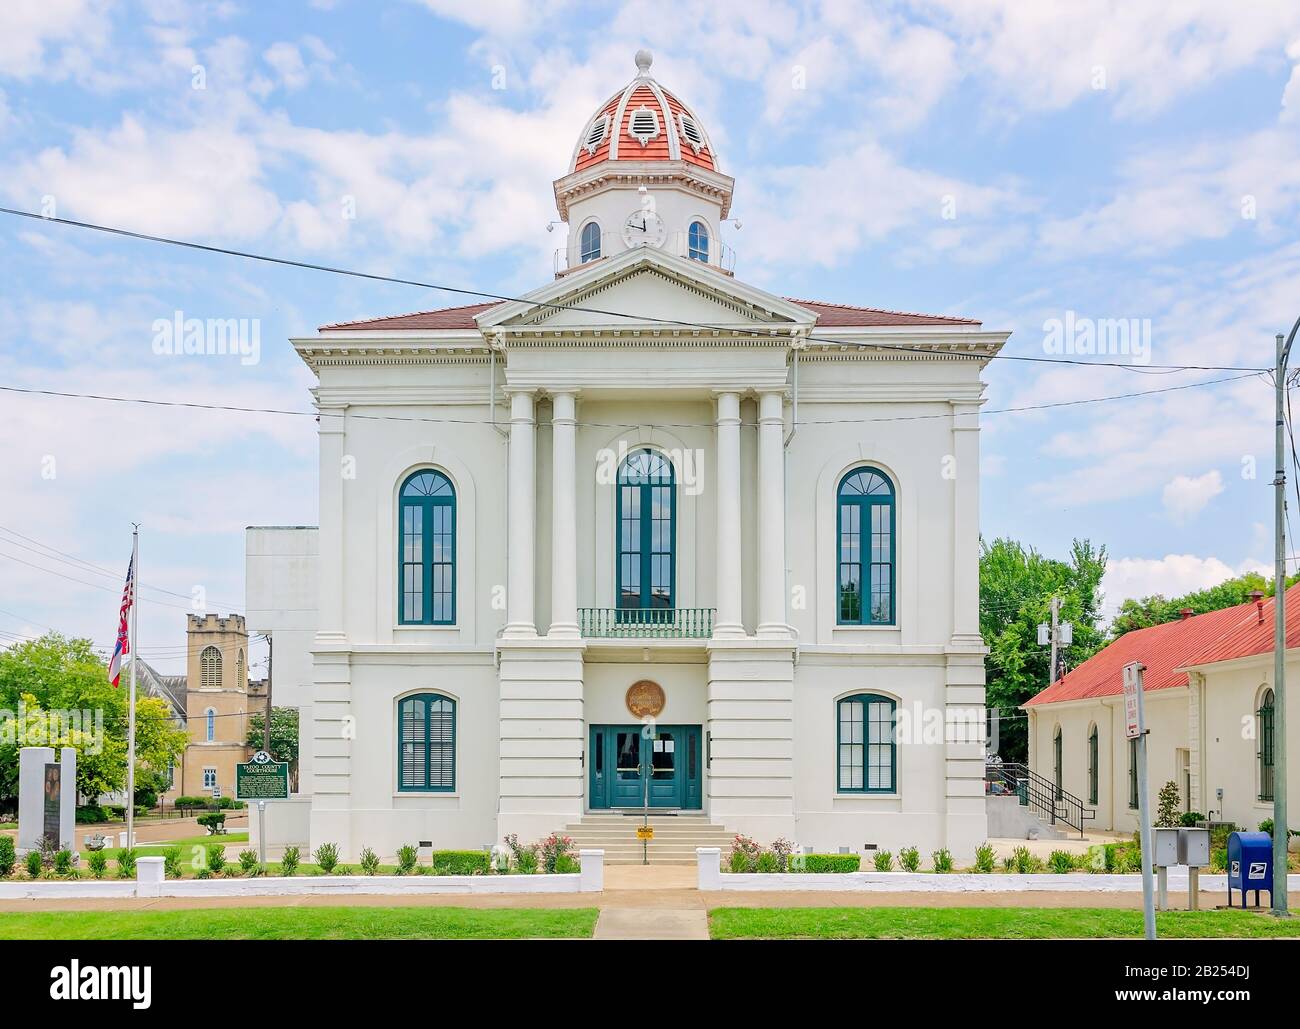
x: 154, y: 402
x: 503, y: 298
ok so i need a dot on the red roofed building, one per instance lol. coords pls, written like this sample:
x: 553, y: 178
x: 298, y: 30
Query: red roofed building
x: 1208, y: 702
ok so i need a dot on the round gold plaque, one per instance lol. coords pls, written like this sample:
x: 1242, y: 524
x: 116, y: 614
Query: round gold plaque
x: 645, y: 699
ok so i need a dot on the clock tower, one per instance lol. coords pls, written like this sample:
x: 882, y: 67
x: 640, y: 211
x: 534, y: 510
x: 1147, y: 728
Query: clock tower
x: 644, y: 174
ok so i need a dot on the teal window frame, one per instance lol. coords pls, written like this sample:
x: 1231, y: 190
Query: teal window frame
x: 644, y: 478
x: 1093, y: 770
x: 1133, y: 774
x: 426, y: 723
x: 1267, y: 744
x: 697, y: 242
x: 875, y: 510
x: 426, y: 548
x: 589, y: 242
x: 860, y: 730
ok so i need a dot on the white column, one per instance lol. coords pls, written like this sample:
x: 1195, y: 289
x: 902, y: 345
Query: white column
x: 329, y: 626
x: 966, y: 526
x: 522, y: 530
x: 564, y: 519
x: 771, y: 516
x: 729, y: 622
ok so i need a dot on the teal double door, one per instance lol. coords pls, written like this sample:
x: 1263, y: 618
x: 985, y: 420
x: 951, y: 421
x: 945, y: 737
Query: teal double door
x: 630, y: 766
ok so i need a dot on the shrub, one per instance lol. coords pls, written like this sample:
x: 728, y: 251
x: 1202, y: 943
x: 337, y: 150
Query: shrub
x: 214, y: 822
x: 63, y: 862
x: 1060, y: 861
x: 172, y: 863
x: 327, y: 857
x: 1219, y: 859
x: 1132, y: 859
x: 216, y: 858
x: 1023, y: 862
x: 984, y: 858
x: 7, y: 856
x: 552, y: 849
x: 524, y: 855
x: 98, y: 862
x: 567, y: 865
x: 91, y: 814
x: 289, y: 861
x: 781, y: 850
x: 942, y: 859
x: 884, y: 861
x: 407, y: 858
x: 248, y: 863
x: 369, y: 861
x: 818, y: 864
x: 748, y: 850
x: 1267, y: 826
x: 126, y: 863
x: 463, y: 862
x: 767, y: 863
x: 1167, y: 804
x: 1190, y: 818
x: 34, y: 864
x: 910, y: 859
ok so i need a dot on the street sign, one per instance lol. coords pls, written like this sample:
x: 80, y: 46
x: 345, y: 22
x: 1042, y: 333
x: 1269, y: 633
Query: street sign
x: 1133, y: 726
x: 645, y: 832
x: 216, y: 792
x: 267, y: 780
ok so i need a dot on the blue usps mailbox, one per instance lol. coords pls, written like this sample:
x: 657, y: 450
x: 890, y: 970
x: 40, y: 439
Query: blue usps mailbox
x: 1250, y: 864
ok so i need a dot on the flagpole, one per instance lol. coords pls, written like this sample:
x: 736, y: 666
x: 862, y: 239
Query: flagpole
x: 130, y: 718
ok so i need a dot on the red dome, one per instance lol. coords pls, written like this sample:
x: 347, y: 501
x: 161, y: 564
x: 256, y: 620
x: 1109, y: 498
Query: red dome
x: 643, y: 122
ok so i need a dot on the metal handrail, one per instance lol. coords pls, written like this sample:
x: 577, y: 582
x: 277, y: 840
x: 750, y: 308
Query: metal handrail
x: 1043, y: 795
x: 646, y: 623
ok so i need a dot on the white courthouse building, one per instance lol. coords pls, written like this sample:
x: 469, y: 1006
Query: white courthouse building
x: 646, y: 535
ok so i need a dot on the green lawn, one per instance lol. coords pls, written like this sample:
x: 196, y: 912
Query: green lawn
x: 160, y: 849
x: 984, y: 923
x: 305, y: 923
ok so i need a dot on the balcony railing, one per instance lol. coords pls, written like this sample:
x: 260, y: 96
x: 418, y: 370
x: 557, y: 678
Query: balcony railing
x: 660, y: 623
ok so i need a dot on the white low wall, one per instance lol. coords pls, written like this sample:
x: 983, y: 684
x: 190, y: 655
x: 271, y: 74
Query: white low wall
x: 150, y: 884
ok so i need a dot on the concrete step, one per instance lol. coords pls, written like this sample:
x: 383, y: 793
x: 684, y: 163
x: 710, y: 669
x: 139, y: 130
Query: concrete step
x: 675, y: 840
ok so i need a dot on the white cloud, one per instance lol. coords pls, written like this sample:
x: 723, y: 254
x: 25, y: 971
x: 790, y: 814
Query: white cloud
x: 49, y: 37
x: 1170, y: 576
x: 1185, y: 496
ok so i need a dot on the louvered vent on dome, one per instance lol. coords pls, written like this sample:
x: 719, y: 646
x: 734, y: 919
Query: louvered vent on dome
x: 644, y: 125
x: 596, y: 134
x: 691, y: 132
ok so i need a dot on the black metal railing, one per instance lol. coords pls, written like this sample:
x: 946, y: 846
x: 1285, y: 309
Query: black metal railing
x: 1048, y: 800
x: 646, y: 623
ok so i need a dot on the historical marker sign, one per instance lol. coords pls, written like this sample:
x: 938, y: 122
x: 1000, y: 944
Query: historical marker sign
x: 262, y: 780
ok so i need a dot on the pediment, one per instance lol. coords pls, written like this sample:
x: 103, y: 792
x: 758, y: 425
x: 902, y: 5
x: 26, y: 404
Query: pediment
x: 645, y: 290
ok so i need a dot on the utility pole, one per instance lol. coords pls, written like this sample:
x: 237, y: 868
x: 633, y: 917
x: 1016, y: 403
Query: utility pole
x: 1056, y: 638
x: 1280, y: 824
x: 1059, y: 634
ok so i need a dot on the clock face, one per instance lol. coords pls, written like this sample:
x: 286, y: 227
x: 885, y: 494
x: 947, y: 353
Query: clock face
x: 644, y: 228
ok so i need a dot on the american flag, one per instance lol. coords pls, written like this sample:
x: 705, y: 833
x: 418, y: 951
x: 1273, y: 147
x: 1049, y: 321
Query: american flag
x: 123, y: 632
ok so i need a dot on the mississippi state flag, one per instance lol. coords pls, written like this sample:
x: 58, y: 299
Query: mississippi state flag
x: 123, y: 632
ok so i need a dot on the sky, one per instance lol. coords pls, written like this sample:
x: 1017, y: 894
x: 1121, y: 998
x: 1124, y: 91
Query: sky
x: 1033, y: 165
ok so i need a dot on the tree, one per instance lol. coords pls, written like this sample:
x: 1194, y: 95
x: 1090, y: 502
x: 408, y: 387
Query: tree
x: 1167, y: 805
x: 1016, y: 588
x: 60, y: 688
x: 1155, y: 609
x: 284, y: 736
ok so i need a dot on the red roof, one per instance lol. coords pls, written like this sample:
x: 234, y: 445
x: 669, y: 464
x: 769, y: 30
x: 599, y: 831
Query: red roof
x: 1201, y: 639
x: 828, y: 315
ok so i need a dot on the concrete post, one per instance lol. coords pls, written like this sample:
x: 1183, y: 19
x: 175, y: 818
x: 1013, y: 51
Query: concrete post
x: 708, y: 861
x: 68, y: 799
x: 592, y: 877
x: 31, y: 795
x: 149, y: 876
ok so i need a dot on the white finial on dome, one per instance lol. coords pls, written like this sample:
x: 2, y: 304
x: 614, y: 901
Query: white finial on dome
x: 644, y: 58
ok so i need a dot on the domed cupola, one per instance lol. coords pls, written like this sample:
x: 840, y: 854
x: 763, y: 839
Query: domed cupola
x: 643, y: 122
x: 643, y: 173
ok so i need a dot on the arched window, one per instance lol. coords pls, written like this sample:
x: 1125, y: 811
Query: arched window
x: 1266, y: 745
x: 211, y: 716
x: 647, y: 515
x: 866, y: 548
x: 426, y: 743
x: 426, y: 581
x: 697, y: 242
x: 210, y: 669
x: 868, y: 760
x: 1058, y: 767
x: 1092, y: 765
x: 241, y: 678
x: 590, y: 243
